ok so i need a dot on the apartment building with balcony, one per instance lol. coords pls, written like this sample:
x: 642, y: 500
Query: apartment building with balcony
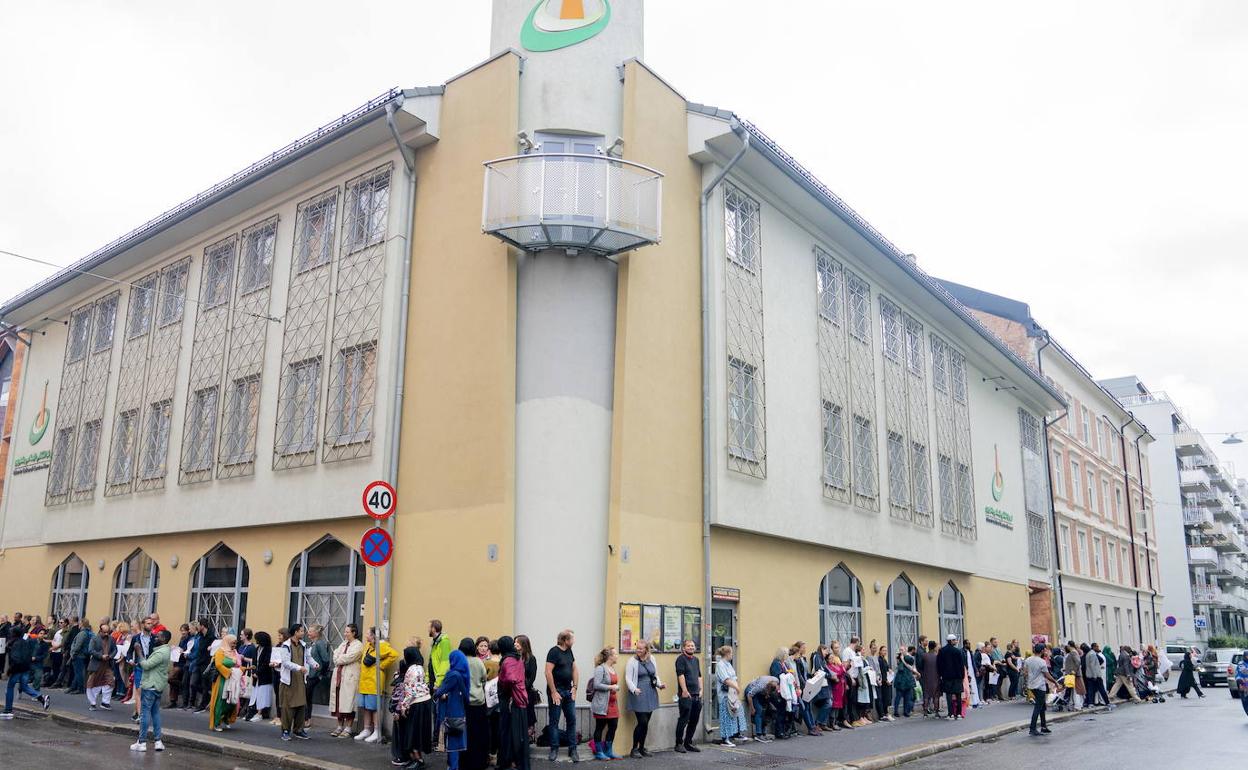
x: 1108, y: 584
x: 1201, y: 521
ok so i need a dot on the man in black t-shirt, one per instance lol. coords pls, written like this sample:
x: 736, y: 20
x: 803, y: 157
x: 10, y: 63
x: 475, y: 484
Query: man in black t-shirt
x: 689, y: 684
x: 561, y: 682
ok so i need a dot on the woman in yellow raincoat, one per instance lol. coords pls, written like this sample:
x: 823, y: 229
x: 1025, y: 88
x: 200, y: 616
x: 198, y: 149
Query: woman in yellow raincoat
x: 221, y: 712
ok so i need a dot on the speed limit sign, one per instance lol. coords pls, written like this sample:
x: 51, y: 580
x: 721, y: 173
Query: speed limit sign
x: 379, y: 500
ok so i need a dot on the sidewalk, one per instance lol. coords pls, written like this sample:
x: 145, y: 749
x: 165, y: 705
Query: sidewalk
x: 874, y: 746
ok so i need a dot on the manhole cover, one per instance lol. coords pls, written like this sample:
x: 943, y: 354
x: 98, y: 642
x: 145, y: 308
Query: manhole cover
x: 750, y: 759
x: 63, y: 742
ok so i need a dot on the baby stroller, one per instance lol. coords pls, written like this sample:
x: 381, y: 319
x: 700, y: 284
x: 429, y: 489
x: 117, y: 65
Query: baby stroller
x: 1064, y: 696
x: 1146, y: 688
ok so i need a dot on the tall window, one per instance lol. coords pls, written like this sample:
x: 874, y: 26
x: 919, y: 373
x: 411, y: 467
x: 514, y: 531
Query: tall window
x: 1066, y: 562
x: 69, y: 588
x: 898, y: 478
x: 173, y: 293
x: 1085, y: 425
x: 1105, y: 502
x: 135, y: 585
x: 1083, y: 549
x: 892, y: 338
x: 966, y: 498
x: 238, y: 442
x: 829, y: 291
x: 1091, y: 490
x: 1113, y: 561
x: 88, y: 454
x: 105, y: 323
x: 952, y: 612
x: 142, y: 300
x: 156, y: 443
x: 6, y: 381
x: 219, y: 581
x: 256, y: 262
x: 742, y: 410
x: 840, y: 606
x: 1059, y: 474
x: 79, y: 335
x: 62, y: 461
x: 944, y: 479
x: 741, y: 228
x: 351, y: 402
x: 327, y: 587
x: 122, y: 468
x: 314, y: 233
x: 1075, y: 487
x: 922, y: 472
x: 859, y: 308
x: 834, y: 470
x: 368, y: 203
x: 219, y: 274
x: 864, y: 457
x: 297, y: 429
x: 202, y: 424
x: 903, y: 613
x: 1097, y: 566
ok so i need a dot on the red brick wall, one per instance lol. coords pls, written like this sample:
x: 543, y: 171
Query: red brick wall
x: 6, y: 430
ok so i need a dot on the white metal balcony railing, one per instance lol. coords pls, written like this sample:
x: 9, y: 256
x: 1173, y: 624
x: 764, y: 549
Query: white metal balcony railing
x: 1197, y: 517
x: 1234, y: 569
x: 1204, y: 594
x: 1188, y: 443
x: 576, y: 202
x: 1194, y: 480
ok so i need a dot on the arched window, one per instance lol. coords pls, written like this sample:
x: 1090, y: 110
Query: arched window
x: 69, y: 588
x: 327, y: 587
x: 952, y: 612
x: 134, y: 587
x: 840, y: 606
x: 219, y: 588
x: 903, y: 614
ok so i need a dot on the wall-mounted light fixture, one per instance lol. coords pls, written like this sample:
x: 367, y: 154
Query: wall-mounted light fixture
x: 268, y: 556
x: 173, y: 561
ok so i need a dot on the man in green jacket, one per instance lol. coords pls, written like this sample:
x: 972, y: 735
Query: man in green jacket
x: 154, y: 681
x: 439, y: 664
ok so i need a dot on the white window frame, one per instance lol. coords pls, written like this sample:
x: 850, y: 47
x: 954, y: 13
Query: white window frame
x: 202, y: 425
x: 173, y: 293
x: 946, y: 484
x: 79, y: 337
x: 105, y: 323
x: 314, y: 239
x: 742, y: 229
x: 368, y: 205
x: 1067, y: 563
x: 1098, y: 566
x: 142, y: 304
x: 859, y: 300
x: 121, y: 470
x: 1091, y: 490
x: 898, y: 474
x: 354, y: 400
x: 256, y: 250
x: 156, y: 441
x: 219, y: 277
x: 957, y: 373
x: 1081, y: 537
x: 1112, y: 549
x: 1059, y: 474
x: 828, y: 288
x: 1085, y: 425
x: 1076, y: 485
x: 892, y: 337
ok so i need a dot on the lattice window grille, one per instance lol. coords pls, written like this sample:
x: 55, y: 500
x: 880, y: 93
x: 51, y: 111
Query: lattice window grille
x: 921, y: 468
x: 743, y: 304
x: 1035, y: 495
x: 967, y: 527
x: 895, y: 410
x: 966, y: 502
x: 248, y: 334
x: 305, y: 326
x: 84, y: 382
x: 902, y: 607
x: 898, y: 475
x: 358, y: 292
x: 219, y: 588
x: 136, y: 584
x: 948, y: 502
x: 79, y: 335
x: 1038, y: 542
x: 864, y: 457
x: 105, y: 323
x: 833, y: 375
x: 946, y: 441
x: 327, y: 588
x: 62, y: 461
x: 70, y: 580
x: 952, y: 613
x: 918, y: 431
x: 164, y: 355
x: 131, y: 379
x: 208, y: 356
x: 840, y: 606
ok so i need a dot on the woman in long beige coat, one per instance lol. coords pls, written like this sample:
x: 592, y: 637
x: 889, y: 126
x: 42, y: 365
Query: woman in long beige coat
x: 345, y: 684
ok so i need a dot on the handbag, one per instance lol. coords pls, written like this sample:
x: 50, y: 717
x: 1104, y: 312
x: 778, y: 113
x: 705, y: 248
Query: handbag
x: 491, y: 693
x: 814, y: 685
x: 994, y: 677
x: 455, y: 725
x: 370, y: 660
x: 1068, y: 681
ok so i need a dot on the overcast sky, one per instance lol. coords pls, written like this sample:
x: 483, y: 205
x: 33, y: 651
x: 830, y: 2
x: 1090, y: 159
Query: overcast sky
x: 1088, y: 158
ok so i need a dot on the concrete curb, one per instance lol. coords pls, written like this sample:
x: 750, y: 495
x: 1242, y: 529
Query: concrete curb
x: 922, y: 750
x: 206, y: 743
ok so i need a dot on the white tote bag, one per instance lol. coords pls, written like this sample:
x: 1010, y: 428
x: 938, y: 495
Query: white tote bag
x: 994, y: 677
x: 813, y: 686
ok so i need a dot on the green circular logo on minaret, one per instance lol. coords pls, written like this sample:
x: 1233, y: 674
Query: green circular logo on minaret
x: 42, y: 418
x: 555, y: 24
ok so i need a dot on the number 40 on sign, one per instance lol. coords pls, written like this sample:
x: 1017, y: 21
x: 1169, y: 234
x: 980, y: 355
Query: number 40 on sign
x: 380, y: 500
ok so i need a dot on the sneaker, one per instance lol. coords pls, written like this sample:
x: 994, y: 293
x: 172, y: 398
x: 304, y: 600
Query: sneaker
x: 1045, y: 730
x: 134, y: 717
x: 338, y: 731
x: 303, y: 735
x: 220, y: 729
x: 598, y: 755
x: 363, y: 734
x: 128, y: 702
x: 554, y: 755
x: 138, y: 746
x: 159, y: 746
x: 46, y: 700
x: 1034, y: 733
x: 680, y: 749
x: 6, y: 715
x: 285, y: 736
x: 375, y: 737
x: 106, y: 706
x: 91, y: 707
x: 642, y: 751
x: 253, y: 718
x: 728, y: 744
x: 691, y: 747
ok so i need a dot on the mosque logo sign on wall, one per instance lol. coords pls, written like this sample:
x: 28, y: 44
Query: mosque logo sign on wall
x: 42, y: 418
x: 993, y: 514
x: 555, y: 24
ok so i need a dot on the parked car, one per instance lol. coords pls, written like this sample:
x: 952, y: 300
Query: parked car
x: 1175, y: 653
x: 1214, y: 664
x: 1230, y: 675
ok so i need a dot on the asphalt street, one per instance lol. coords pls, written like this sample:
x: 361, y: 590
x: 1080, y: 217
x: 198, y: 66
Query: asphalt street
x: 34, y: 742
x: 1175, y: 735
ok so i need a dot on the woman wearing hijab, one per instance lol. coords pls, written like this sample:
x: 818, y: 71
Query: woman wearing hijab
x: 222, y: 711
x: 413, y: 712
x: 1187, y: 677
x: 262, y: 695
x: 477, y: 754
x: 513, y: 708
x: 454, y: 696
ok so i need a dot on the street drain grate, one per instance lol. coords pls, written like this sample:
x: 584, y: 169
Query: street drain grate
x: 63, y: 742
x: 752, y: 760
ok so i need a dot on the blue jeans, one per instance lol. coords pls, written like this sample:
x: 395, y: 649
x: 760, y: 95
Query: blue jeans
x: 149, y: 713
x: 568, y: 708
x: 22, y: 682
x: 79, y: 682
x: 758, y: 705
x: 901, y: 697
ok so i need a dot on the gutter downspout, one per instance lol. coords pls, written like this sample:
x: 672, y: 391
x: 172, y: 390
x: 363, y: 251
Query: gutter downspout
x: 707, y: 459
x: 400, y: 359
x: 1048, y: 464
x: 1152, y: 599
x: 1135, y: 561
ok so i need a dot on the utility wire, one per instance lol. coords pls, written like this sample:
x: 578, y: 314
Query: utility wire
x: 154, y: 291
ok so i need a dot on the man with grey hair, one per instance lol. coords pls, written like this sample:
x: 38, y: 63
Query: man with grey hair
x: 319, y: 654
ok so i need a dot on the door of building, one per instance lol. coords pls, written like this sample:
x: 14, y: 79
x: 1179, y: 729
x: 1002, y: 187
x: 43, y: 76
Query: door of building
x: 724, y: 623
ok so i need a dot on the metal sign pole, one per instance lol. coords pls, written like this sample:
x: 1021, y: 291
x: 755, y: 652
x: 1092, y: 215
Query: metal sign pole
x: 377, y: 634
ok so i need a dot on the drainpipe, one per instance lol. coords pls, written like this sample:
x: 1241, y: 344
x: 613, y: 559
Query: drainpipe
x: 1126, y: 479
x: 1152, y: 599
x: 708, y: 465
x: 1048, y: 464
x: 399, y: 357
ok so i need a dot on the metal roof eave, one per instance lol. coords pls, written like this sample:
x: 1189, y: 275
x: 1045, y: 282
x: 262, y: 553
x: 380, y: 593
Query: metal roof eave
x: 374, y: 109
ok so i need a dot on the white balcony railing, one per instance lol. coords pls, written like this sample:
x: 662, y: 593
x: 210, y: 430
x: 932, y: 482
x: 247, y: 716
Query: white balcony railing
x: 594, y: 203
x: 1202, y: 556
x: 1197, y: 517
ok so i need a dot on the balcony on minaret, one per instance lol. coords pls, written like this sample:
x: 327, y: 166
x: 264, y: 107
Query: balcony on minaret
x: 576, y: 202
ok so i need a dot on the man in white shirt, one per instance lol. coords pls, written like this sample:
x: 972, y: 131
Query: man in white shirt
x: 1036, y: 674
